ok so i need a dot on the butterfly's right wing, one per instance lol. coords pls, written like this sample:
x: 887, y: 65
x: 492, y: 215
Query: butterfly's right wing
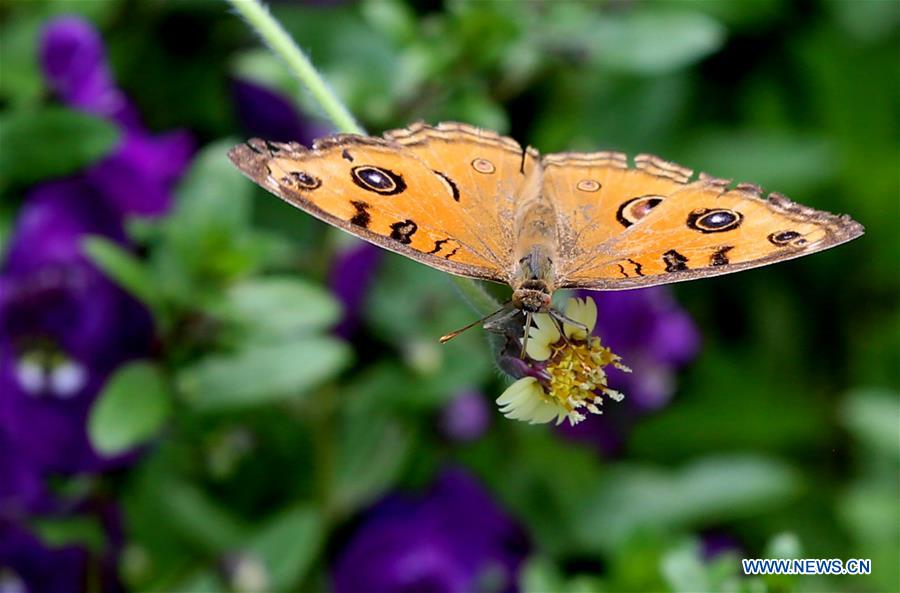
x: 427, y: 193
x: 626, y: 227
x: 598, y: 195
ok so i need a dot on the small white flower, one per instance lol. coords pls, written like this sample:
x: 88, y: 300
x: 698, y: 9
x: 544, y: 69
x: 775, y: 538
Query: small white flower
x: 569, y: 377
x: 525, y: 400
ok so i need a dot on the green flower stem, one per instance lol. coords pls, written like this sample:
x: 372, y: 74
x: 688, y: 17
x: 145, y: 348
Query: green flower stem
x: 475, y: 294
x: 271, y: 31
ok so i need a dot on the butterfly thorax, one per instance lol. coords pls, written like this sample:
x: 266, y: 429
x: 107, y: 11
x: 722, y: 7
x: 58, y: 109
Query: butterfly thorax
x: 533, y: 277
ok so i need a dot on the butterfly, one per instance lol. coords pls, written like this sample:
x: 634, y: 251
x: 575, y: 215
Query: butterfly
x: 471, y: 202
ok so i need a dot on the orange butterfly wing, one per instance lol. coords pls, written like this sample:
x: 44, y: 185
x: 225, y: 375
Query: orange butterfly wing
x: 438, y: 195
x: 589, y: 189
x: 643, y: 233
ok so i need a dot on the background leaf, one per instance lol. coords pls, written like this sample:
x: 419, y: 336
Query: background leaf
x: 51, y: 142
x: 274, y: 307
x: 123, y: 268
x: 132, y: 408
x: 630, y: 501
x: 263, y: 374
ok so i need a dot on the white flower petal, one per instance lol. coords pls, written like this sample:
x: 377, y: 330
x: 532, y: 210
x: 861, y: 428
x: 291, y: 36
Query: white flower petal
x: 514, y: 391
x: 544, y: 413
x: 524, y: 400
x: 543, y: 333
x: 67, y: 379
x: 522, y: 410
x: 31, y: 376
x: 583, y: 311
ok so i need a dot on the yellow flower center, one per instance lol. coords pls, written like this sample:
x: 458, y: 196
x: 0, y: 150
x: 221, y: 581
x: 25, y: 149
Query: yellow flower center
x: 577, y: 377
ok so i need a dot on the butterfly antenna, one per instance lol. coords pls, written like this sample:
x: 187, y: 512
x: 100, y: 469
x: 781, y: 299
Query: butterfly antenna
x: 447, y: 337
x: 527, y: 332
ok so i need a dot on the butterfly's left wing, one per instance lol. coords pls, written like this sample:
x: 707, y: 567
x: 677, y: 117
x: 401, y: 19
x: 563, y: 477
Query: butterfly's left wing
x: 385, y: 191
x: 650, y: 224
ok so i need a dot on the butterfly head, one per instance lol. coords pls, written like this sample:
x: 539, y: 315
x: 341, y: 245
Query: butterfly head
x: 533, y: 296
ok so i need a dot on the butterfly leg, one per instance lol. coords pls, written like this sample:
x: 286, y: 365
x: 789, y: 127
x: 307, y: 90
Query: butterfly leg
x: 496, y: 325
x: 528, y: 315
x: 560, y: 329
x: 562, y: 332
x: 558, y: 316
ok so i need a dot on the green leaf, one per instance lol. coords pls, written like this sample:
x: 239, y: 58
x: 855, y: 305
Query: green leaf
x: 213, y: 190
x: 21, y: 82
x: 205, y: 580
x: 790, y: 163
x: 372, y: 450
x: 123, y: 268
x: 784, y: 545
x: 51, y: 142
x: 199, y: 518
x: 684, y: 570
x: 539, y: 575
x: 281, y: 306
x: 288, y: 544
x: 656, y: 42
x: 208, y: 231
x: 280, y: 554
x: 873, y: 416
x: 67, y: 531
x: 631, y: 500
x: 263, y: 373
x: 431, y: 307
x: 131, y: 409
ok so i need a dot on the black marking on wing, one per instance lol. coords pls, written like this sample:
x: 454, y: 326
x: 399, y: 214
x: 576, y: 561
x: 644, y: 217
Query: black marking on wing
x: 438, y: 245
x: 378, y: 180
x: 273, y: 149
x: 622, y: 270
x: 453, y: 188
x: 675, y: 262
x: 783, y: 238
x: 452, y: 253
x: 637, y: 267
x: 302, y: 180
x: 346, y: 155
x: 404, y: 230
x: 714, y: 220
x: 362, y: 217
x: 720, y: 257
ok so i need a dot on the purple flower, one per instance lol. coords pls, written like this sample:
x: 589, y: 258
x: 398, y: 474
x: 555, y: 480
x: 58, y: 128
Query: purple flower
x: 138, y: 177
x: 64, y: 325
x: 352, y: 271
x: 74, y: 63
x: 716, y: 542
x: 466, y: 417
x: 452, y: 540
x: 267, y: 114
x: 654, y: 337
x: 22, y: 489
x: 28, y: 566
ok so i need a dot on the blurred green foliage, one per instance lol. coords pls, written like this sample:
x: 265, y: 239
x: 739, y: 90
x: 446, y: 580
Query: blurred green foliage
x: 785, y: 430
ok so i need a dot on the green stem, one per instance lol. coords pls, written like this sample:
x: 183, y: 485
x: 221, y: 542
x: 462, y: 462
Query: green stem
x: 475, y: 294
x: 271, y: 31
